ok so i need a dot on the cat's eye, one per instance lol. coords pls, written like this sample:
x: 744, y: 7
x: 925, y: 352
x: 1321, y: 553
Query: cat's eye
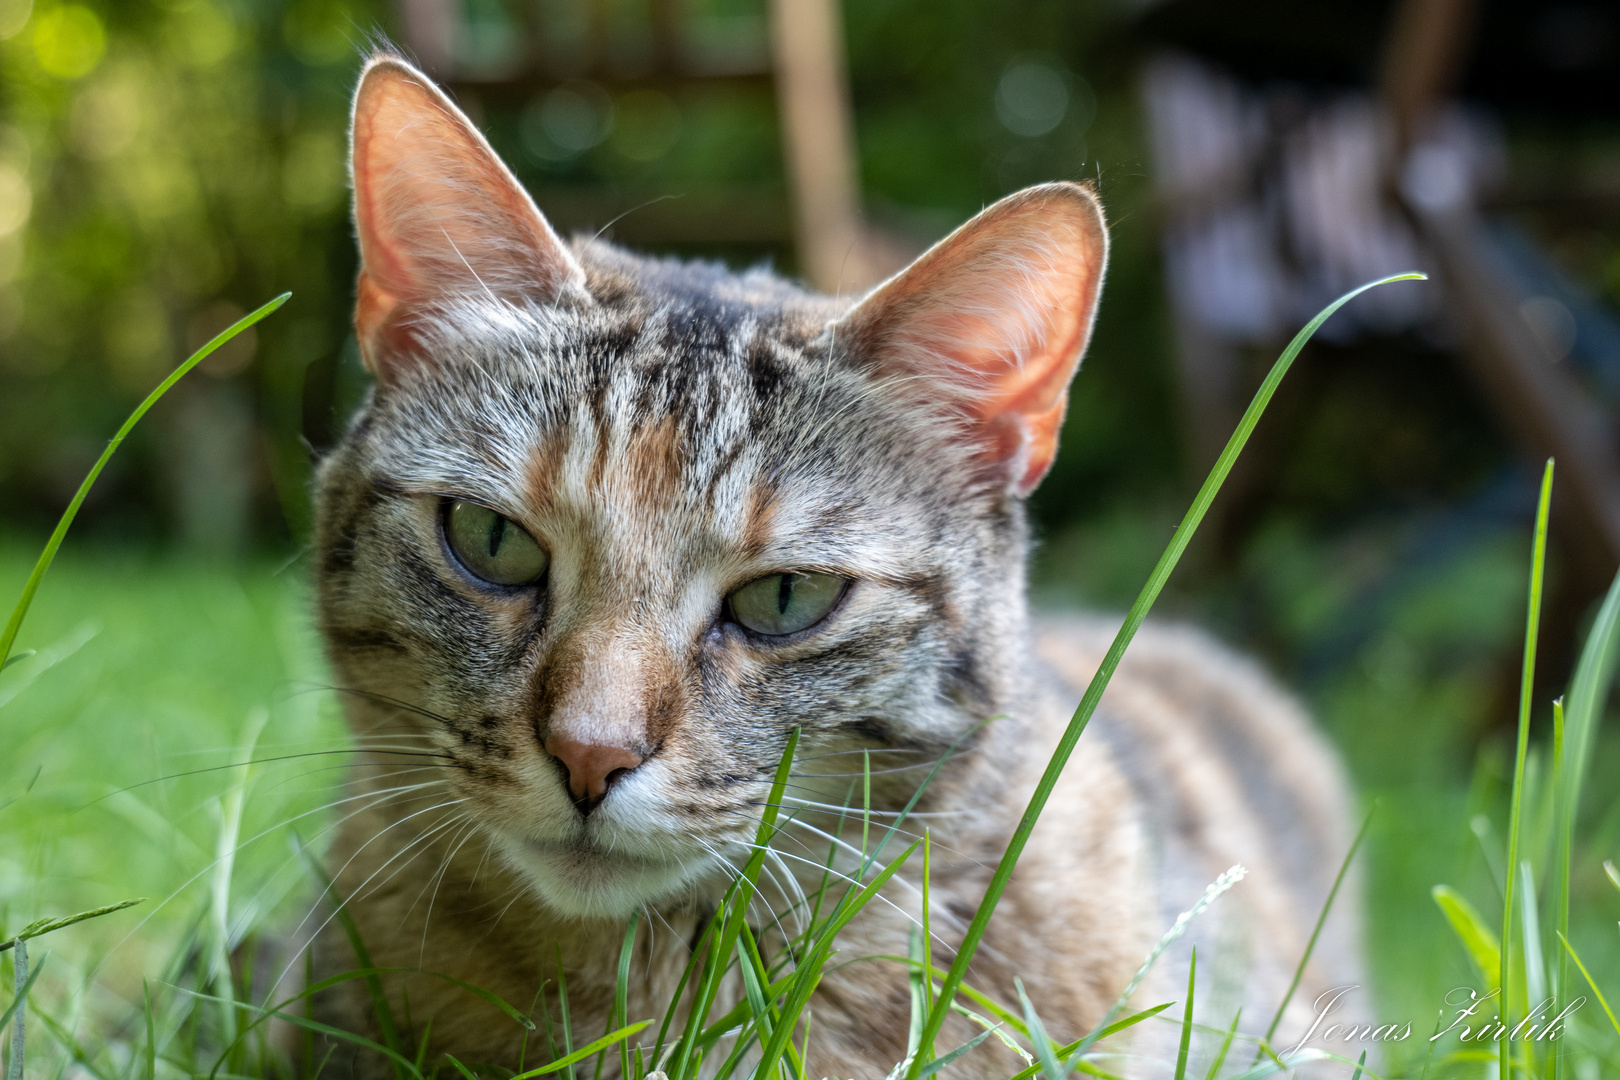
x: 786, y: 603
x: 493, y: 547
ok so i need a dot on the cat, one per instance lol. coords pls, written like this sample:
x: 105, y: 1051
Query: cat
x: 608, y: 528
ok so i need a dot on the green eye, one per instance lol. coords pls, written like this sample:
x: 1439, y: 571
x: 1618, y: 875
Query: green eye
x: 786, y: 603
x: 493, y: 547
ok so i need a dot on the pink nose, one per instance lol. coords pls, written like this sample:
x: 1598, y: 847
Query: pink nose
x: 592, y: 768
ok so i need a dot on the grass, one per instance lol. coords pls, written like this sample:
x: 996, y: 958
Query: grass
x: 155, y: 684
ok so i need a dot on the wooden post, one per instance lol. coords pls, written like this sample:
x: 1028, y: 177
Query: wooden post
x: 812, y: 91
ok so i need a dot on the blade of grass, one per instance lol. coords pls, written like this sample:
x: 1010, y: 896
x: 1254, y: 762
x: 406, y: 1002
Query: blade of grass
x: 1538, y: 565
x: 1133, y: 621
x: 927, y: 933
x: 1478, y: 938
x: 22, y: 982
x: 1603, y: 1001
x: 40, y: 927
x: 593, y: 1047
x: 951, y: 1055
x: 9, y: 637
x: 809, y: 973
x: 308, y: 993
x: 1583, y: 710
x: 740, y: 894
x: 151, y: 1032
x: 1226, y: 1045
x: 17, y: 1007
x: 1316, y: 931
x: 1187, y: 1020
x: 568, y: 1058
x: 621, y: 994
x: 693, y: 964
x: 1045, y: 1052
x: 374, y: 988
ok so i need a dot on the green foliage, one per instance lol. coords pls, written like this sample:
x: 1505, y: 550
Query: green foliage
x: 164, y: 165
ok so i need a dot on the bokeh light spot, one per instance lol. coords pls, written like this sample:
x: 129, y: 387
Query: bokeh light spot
x: 16, y: 200
x: 313, y: 174
x: 14, y: 16
x: 567, y: 121
x: 69, y: 41
x: 1031, y: 99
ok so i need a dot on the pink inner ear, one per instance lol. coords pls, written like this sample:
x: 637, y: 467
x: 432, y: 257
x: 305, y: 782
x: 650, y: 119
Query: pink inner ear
x: 436, y: 211
x: 996, y: 317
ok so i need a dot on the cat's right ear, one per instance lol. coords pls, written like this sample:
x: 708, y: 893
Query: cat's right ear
x: 437, y: 213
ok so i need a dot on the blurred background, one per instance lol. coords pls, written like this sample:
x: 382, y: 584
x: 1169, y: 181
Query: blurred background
x: 166, y: 165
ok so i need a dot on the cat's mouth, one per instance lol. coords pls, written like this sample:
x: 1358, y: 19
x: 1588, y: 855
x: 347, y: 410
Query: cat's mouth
x: 587, y: 878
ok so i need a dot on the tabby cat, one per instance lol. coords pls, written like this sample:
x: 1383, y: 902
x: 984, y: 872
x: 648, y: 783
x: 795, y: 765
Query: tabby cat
x: 608, y: 528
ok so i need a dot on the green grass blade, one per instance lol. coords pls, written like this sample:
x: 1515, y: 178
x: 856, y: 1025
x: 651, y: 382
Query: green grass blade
x: 1582, y: 712
x: 740, y: 894
x: 1603, y: 1001
x: 1538, y: 565
x: 1226, y: 1046
x: 1086, y: 1066
x: 951, y: 1055
x: 809, y: 973
x: 1479, y: 939
x: 1361, y: 1066
x: 693, y: 964
x: 1045, y: 1052
x: 740, y: 1011
x: 917, y: 980
x: 568, y: 1058
x: 384, y: 1011
x: 1535, y: 967
x: 9, y: 637
x: 568, y: 1061
x: 422, y: 1045
x: 752, y: 970
x: 308, y: 993
x: 1321, y: 920
x: 401, y: 1062
x: 621, y: 994
x: 1133, y: 621
x: 460, y: 1068
x: 1187, y: 1020
x: 151, y: 1032
x: 16, y: 1002
x: 40, y: 927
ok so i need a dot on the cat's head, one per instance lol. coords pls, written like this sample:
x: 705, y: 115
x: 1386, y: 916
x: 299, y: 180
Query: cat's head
x: 609, y: 528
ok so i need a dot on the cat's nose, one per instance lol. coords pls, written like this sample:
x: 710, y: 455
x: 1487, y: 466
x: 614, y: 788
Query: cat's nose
x: 592, y: 767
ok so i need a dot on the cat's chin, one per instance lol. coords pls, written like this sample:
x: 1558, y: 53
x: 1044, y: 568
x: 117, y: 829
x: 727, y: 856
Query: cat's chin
x: 588, y: 882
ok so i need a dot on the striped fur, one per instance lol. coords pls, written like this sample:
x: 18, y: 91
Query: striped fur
x: 670, y: 431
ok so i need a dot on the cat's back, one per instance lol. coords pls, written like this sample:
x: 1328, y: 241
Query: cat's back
x: 1225, y: 768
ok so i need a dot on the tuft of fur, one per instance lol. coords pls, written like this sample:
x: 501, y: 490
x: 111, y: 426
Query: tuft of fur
x: 669, y: 432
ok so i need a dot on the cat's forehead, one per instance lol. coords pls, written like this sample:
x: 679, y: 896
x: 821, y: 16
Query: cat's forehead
x: 693, y: 412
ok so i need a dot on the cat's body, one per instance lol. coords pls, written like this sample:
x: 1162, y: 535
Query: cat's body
x: 642, y: 447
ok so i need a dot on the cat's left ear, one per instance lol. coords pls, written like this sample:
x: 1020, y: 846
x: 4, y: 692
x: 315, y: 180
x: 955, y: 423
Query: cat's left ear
x: 991, y: 322
x: 437, y: 213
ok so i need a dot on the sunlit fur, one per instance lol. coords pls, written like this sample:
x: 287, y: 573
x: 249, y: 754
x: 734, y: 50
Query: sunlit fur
x: 669, y: 432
